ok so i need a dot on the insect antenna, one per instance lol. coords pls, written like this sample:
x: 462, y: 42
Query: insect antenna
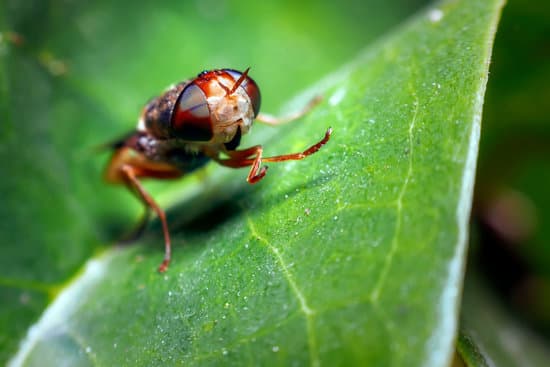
x: 238, y: 82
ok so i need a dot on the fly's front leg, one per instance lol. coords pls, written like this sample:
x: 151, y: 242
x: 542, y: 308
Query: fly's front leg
x: 256, y: 173
x: 274, y: 121
x: 130, y: 175
x: 243, y: 158
x: 297, y: 156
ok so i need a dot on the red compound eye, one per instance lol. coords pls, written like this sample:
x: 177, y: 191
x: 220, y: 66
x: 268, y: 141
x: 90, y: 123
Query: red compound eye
x: 191, y: 119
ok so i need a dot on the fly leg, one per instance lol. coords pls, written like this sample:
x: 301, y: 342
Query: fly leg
x: 130, y: 175
x: 253, y: 157
x: 274, y: 121
x: 138, y: 230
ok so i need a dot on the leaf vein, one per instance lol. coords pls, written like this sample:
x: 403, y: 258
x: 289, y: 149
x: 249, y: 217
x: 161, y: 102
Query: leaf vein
x: 304, y: 307
x: 375, y: 294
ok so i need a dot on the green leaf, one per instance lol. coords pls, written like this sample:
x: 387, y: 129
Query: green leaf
x: 352, y: 256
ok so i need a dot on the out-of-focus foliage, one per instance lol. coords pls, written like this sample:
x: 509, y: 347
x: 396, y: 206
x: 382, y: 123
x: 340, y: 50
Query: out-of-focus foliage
x: 508, y: 313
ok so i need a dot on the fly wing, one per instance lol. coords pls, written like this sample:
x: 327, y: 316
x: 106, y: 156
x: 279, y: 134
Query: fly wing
x: 122, y: 141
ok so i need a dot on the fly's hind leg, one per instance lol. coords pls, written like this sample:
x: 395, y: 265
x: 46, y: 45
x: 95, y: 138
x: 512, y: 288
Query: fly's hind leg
x: 130, y: 175
x: 138, y: 230
x: 126, y: 167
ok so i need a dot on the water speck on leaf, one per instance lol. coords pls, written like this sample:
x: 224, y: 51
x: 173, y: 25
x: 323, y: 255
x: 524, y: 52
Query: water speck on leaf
x: 371, y: 121
x: 88, y: 349
x: 275, y: 348
x: 224, y: 351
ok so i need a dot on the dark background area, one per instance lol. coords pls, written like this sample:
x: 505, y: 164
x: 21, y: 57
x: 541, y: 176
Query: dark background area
x: 511, y: 215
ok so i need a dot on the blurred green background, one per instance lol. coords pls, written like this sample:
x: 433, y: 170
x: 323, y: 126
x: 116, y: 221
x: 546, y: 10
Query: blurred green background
x: 511, y: 215
x: 99, y: 62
